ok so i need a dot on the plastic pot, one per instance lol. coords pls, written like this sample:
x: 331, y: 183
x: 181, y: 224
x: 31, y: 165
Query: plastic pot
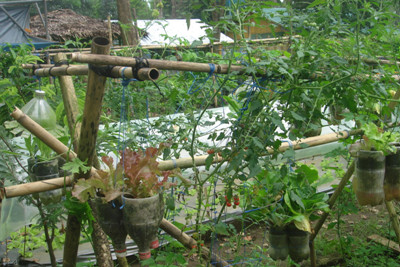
x: 111, y: 221
x: 43, y: 170
x: 278, y: 243
x: 142, y: 217
x: 391, y: 185
x: 298, y: 243
x: 369, y: 178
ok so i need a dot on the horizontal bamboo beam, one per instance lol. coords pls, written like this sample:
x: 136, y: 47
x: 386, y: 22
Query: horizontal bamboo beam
x: 36, y: 66
x: 116, y: 72
x: 44, y: 136
x: 36, y: 187
x: 153, y: 63
x: 20, y: 190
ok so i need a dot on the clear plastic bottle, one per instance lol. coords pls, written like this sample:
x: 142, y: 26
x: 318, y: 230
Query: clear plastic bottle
x: 40, y: 111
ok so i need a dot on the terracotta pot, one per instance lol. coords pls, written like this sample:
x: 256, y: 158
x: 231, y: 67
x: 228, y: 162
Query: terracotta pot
x: 111, y: 221
x: 391, y: 185
x: 278, y: 244
x: 298, y: 243
x: 43, y: 170
x: 142, y: 217
x: 369, y: 177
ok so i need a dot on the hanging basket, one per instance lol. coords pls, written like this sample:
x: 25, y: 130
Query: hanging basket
x: 43, y: 170
x: 369, y: 178
x: 391, y: 183
x: 298, y: 243
x: 278, y: 243
x: 142, y: 217
x: 111, y: 221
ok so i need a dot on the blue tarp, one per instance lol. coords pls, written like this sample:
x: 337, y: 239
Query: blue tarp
x: 12, y: 30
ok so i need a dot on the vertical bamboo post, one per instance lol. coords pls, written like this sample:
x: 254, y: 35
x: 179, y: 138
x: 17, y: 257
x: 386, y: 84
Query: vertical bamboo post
x: 87, y: 142
x: 72, y: 112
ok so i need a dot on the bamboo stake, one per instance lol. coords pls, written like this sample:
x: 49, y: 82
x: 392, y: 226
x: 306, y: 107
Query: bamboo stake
x: 153, y: 63
x: 189, y: 242
x: 70, y: 103
x: 346, y: 177
x: 394, y: 218
x: 143, y: 74
x: 86, y: 150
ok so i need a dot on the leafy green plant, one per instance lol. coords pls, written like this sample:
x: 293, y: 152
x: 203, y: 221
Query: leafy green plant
x: 136, y: 174
x: 375, y: 138
x: 32, y: 237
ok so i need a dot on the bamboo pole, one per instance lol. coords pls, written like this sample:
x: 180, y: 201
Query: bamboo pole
x: 19, y: 190
x: 189, y: 242
x: 86, y: 151
x: 36, y: 66
x: 153, y: 63
x: 143, y: 74
x: 346, y: 177
x: 103, y: 253
x: 70, y: 103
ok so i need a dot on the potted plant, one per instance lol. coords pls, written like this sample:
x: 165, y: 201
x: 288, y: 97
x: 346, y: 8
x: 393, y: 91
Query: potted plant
x: 43, y: 164
x: 391, y: 185
x: 370, y: 164
x: 135, y: 182
x: 290, y: 200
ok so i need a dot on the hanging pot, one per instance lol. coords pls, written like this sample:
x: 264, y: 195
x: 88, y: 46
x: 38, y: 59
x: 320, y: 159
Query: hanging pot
x: 142, y: 217
x: 43, y: 170
x: 298, y: 243
x: 111, y: 221
x: 278, y: 243
x: 391, y: 185
x: 370, y: 174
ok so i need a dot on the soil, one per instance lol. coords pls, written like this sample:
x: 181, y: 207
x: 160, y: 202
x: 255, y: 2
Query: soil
x: 250, y: 247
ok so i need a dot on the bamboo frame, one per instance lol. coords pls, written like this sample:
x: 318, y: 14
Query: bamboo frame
x: 20, y: 190
x: 143, y: 74
x: 153, y: 63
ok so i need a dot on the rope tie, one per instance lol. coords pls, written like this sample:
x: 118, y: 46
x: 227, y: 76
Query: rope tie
x: 140, y: 63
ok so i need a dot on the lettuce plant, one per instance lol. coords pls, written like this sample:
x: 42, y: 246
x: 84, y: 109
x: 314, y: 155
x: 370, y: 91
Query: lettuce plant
x: 136, y: 174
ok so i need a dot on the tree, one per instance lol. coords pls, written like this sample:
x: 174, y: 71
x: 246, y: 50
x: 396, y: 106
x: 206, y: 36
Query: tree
x: 129, y: 35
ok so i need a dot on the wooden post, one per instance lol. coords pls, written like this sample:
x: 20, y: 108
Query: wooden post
x: 87, y: 142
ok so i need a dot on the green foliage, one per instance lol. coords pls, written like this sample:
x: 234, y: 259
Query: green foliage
x: 377, y: 139
x: 30, y: 238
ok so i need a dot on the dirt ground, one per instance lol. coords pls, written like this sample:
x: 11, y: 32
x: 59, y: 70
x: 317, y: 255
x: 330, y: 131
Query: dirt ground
x: 250, y: 246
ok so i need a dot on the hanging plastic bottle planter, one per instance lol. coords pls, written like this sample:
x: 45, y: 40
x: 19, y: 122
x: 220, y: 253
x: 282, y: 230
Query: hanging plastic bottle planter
x: 43, y: 166
x: 298, y: 243
x: 43, y: 170
x: 111, y: 221
x: 391, y: 184
x: 369, y: 177
x: 278, y: 243
x: 142, y: 217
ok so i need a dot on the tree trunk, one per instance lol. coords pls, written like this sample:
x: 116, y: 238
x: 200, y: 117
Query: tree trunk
x: 173, y: 9
x: 215, y: 16
x: 128, y: 31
